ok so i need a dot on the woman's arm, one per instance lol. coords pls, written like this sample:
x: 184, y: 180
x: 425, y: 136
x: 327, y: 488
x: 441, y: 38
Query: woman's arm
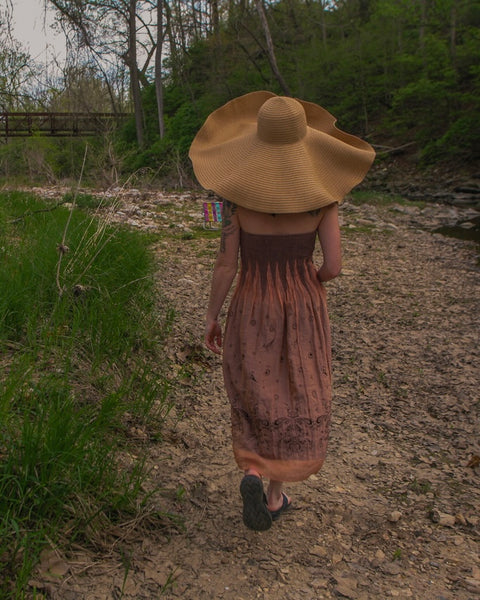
x: 224, y: 273
x: 329, y: 235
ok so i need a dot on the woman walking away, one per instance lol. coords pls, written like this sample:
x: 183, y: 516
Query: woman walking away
x: 282, y: 168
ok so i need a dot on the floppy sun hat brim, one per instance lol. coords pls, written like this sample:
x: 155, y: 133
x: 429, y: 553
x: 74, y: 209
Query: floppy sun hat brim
x: 277, y: 154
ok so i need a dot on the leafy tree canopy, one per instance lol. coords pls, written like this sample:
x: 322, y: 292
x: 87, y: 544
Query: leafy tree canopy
x: 396, y: 69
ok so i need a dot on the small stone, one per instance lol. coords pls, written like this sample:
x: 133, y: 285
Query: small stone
x: 443, y: 519
x: 404, y: 593
x: 320, y: 551
x: 392, y: 568
x: 472, y: 585
x: 336, y: 558
x: 346, y: 586
x: 318, y: 584
x: 467, y: 225
x: 395, y: 516
x: 389, y: 227
x: 380, y: 555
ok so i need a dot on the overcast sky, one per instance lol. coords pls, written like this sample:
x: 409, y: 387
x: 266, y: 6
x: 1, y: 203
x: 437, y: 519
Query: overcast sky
x: 31, y: 27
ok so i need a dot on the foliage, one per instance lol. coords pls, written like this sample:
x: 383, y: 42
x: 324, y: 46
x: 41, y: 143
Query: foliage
x: 393, y: 71
x: 390, y: 68
x: 167, y: 155
x: 54, y: 160
x: 80, y: 345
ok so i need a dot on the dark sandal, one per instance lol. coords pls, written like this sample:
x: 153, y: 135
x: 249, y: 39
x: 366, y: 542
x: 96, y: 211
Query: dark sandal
x: 286, y: 505
x: 256, y: 515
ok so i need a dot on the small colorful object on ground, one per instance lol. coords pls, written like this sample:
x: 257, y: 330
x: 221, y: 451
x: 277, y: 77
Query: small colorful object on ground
x: 212, y: 214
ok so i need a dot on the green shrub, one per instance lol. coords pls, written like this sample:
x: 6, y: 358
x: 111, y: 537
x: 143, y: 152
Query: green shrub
x: 460, y: 141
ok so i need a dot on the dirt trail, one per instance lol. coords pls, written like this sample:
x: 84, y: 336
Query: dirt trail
x: 395, y: 511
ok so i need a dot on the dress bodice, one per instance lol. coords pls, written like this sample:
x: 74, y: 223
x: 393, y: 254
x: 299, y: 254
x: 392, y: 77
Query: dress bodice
x: 278, y: 248
x: 288, y: 255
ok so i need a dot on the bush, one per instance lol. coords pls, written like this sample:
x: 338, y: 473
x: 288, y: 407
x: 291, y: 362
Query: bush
x: 460, y: 141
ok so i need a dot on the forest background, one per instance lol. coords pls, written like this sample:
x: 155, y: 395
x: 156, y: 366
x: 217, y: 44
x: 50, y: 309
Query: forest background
x: 400, y: 73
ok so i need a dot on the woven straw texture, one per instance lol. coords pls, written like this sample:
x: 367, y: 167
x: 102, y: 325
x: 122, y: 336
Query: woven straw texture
x: 277, y: 154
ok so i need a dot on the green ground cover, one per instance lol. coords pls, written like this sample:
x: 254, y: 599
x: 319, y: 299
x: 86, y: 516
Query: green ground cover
x: 81, y: 330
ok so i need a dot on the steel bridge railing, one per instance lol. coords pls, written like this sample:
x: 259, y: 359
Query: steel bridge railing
x: 59, y: 124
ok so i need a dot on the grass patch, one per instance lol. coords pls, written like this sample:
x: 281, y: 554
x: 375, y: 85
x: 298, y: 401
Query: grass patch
x: 87, y: 201
x: 359, y: 197
x: 81, y: 334
x: 355, y: 230
x: 420, y: 487
x: 199, y: 233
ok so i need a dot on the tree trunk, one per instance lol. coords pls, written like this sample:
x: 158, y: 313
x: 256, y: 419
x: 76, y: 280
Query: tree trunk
x: 453, y: 34
x: 270, y: 50
x: 181, y: 29
x: 323, y: 6
x: 215, y: 18
x: 158, y: 69
x: 196, y: 26
x: 421, y: 33
x: 133, y: 68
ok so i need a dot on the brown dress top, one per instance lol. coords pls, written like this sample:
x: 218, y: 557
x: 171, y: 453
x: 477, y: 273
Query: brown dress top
x: 277, y: 358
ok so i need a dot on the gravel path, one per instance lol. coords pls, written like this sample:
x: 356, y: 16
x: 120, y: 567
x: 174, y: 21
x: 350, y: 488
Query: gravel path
x: 394, y: 513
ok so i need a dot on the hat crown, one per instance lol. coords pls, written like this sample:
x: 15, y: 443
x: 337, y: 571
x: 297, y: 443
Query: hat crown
x: 281, y: 120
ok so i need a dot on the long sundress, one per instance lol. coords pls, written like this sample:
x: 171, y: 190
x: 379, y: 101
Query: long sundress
x: 277, y: 358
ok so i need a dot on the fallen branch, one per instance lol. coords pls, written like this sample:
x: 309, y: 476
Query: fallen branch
x: 29, y: 213
x: 390, y: 150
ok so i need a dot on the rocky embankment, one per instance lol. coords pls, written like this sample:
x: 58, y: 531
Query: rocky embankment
x: 439, y: 184
x: 445, y: 200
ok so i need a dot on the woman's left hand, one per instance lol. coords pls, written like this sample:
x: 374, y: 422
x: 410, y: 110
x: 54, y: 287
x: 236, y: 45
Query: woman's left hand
x: 213, y: 336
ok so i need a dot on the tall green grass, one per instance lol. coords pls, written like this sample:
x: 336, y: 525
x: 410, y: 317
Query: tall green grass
x: 81, y: 333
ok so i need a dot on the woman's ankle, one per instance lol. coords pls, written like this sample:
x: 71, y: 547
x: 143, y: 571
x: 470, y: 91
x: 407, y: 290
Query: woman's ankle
x: 274, y: 502
x: 275, y: 495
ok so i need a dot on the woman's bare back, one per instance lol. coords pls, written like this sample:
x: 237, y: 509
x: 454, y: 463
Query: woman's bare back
x: 278, y: 224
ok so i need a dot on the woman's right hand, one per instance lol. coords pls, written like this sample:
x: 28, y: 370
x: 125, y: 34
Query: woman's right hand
x: 213, y: 336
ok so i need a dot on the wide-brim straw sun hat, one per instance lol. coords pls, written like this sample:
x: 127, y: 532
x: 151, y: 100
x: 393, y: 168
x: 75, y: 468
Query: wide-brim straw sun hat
x: 277, y: 154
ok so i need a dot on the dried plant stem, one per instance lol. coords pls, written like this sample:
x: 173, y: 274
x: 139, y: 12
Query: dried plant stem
x: 62, y: 247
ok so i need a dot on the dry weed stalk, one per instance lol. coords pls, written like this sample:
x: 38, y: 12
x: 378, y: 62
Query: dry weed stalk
x: 89, y: 239
x: 62, y: 247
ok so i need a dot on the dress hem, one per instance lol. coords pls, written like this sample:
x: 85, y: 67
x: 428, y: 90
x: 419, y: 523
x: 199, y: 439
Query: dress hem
x: 277, y: 470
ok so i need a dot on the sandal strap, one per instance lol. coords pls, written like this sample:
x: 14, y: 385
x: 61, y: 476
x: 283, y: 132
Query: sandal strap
x: 285, y: 506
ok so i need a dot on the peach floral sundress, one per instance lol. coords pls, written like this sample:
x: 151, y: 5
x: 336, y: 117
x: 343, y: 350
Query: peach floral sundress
x: 277, y: 358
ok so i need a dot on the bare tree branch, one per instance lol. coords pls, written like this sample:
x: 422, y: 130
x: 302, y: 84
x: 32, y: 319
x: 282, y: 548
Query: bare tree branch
x: 270, y: 49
